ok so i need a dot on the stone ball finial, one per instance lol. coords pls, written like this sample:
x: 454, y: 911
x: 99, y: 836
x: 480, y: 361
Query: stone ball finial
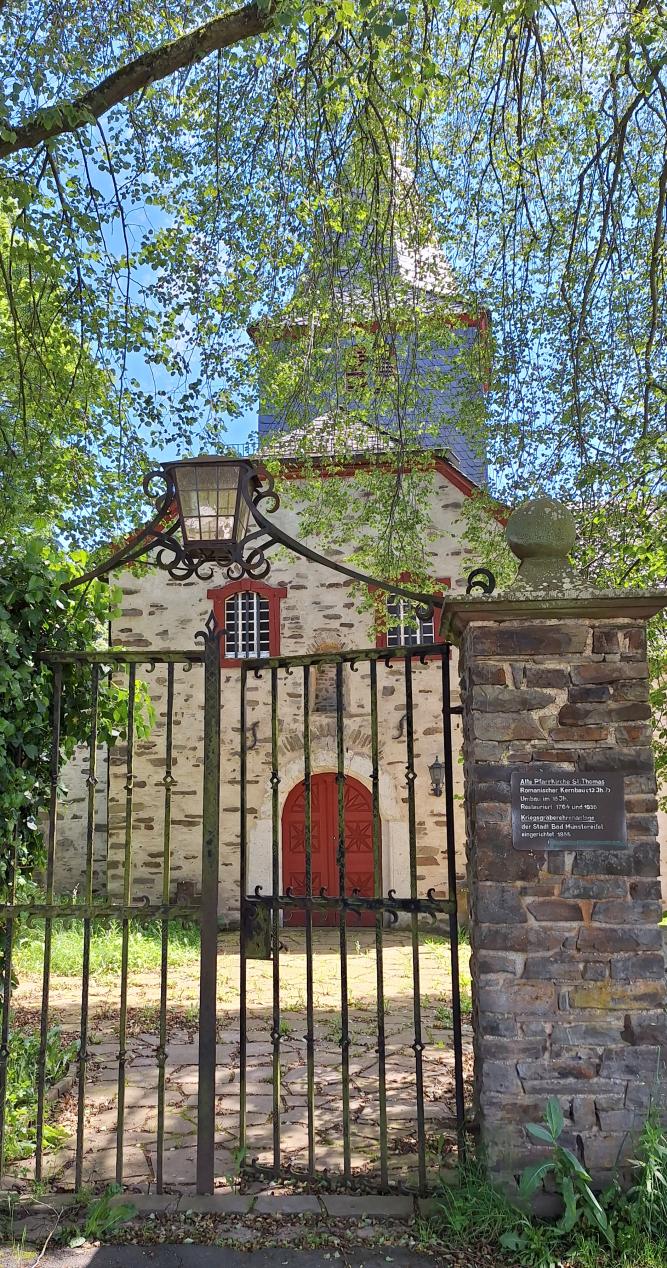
x: 541, y: 528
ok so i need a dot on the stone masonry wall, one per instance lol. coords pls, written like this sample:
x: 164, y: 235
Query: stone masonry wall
x: 568, y: 968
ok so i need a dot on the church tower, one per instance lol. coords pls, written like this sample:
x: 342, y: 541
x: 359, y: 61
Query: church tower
x: 369, y: 373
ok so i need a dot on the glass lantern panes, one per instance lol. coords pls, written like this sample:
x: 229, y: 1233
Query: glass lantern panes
x: 402, y: 628
x: 211, y: 507
x: 246, y: 626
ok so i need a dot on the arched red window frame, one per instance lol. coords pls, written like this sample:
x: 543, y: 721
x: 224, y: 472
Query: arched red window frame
x: 274, y: 594
x: 406, y: 579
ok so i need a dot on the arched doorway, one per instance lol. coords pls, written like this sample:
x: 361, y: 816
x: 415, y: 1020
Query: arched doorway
x: 324, y: 837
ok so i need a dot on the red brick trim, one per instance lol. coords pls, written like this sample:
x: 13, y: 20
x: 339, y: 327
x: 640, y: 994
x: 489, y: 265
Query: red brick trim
x: 274, y: 594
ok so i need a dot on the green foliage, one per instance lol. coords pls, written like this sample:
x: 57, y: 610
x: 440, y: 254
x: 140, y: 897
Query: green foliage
x: 21, y: 1096
x: 35, y: 615
x: 144, y: 948
x: 571, y: 1182
x: 623, y: 1229
x: 99, y: 1220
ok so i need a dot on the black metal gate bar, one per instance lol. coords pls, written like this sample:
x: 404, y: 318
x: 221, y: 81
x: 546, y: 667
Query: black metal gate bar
x: 243, y: 884
x: 125, y: 943
x: 91, y: 783
x: 418, y: 1046
x: 161, y: 1053
x: 208, y: 947
x: 50, y: 863
x: 342, y: 922
x: 8, y: 944
x: 275, y: 918
x: 379, y: 939
x: 459, y: 1095
x: 310, y: 1019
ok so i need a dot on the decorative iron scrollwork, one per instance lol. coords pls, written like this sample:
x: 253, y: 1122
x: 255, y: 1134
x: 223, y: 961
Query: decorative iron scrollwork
x: 481, y: 579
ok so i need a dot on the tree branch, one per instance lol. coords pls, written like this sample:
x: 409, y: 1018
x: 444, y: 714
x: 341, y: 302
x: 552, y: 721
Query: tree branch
x: 136, y: 76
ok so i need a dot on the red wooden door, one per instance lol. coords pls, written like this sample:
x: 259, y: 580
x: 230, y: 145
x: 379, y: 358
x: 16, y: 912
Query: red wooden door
x: 324, y: 841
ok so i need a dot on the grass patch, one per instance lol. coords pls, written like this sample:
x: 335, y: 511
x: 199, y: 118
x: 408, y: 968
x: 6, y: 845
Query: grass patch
x: 21, y: 1094
x: 144, y: 947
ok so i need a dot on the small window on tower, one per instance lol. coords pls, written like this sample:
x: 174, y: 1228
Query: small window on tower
x: 385, y: 361
x: 247, y: 632
x: 355, y: 369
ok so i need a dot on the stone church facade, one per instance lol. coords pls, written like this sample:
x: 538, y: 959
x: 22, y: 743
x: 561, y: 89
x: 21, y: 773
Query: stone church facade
x: 301, y: 608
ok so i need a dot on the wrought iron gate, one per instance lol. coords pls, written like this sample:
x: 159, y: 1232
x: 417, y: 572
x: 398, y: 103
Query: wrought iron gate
x: 262, y: 907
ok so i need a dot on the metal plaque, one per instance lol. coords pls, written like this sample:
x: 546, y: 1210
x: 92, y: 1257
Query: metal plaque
x: 568, y: 812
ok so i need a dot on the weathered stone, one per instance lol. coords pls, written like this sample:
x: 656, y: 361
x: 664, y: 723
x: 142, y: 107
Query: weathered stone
x: 507, y: 700
x: 487, y: 675
x: 591, y: 694
x: 529, y: 937
x: 506, y: 726
x: 494, y: 864
x: 521, y: 998
x: 579, y: 734
x: 544, y: 676
x: 597, y: 887
x: 625, y: 1062
x: 555, y: 909
x: 608, y: 671
x: 595, y: 971
x: 581, y: 714
x: 604, y: 996
x: 637, y: 762
x: 547, y: 968
x: 500, y: 1076
x: 497, y: 904
x: 610, y: 939
x: 493, y: 824
x: 633, y: 733
x: 631, y: 968
x: 606, y: 640
x: 615, y: 911
x: 492, y: 792
x: 525, y: 639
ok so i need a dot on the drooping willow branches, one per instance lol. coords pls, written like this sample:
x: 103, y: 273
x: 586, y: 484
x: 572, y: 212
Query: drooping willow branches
x: 177, y: 178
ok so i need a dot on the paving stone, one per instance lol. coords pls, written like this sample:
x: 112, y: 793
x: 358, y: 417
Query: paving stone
x: 344, y: 1206
x: 286, y: 1204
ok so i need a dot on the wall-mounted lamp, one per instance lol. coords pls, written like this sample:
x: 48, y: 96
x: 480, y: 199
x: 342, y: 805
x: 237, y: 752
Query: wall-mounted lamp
x: 437, y: 772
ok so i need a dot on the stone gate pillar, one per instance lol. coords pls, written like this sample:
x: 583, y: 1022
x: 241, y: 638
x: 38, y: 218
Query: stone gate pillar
x: 567, y: 960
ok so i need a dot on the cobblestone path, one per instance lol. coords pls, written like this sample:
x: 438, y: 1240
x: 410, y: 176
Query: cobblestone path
x: 140, y: 1141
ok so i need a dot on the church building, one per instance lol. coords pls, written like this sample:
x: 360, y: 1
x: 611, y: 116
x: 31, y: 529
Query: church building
x: 299, y: 608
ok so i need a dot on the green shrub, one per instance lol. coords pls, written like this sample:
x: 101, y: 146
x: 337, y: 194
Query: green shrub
x: 620, y: 1229
x: 21, y: 1095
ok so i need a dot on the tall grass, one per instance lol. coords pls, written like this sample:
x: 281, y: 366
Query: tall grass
x: 145, y: 948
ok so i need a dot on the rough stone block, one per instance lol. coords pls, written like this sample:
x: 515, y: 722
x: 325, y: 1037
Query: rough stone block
x: 613, y: 939
x: 523, y: 998
x: 606, y: 641
x: 493, y: 825
x: 528, y: 937
x: 492, y: 792
x: 506, y: 726
x: 579, y: 734
x: 591, y: 694
x: 605, y: 995
x: 557, y: 639
x: 495, y: 864
x: 545, y: 676
x: 600, y: 714
x: 596, y: 971
x: 636, y: 762
x: 553, y: 968
x: 487, y: 675
x: 619, y: 911
x: 645, y: 965
x: 555, y: 909
x: 499, y: 962
x: 607, y: 671
x: 500, y: 1076
x: 496, y: 904
x: 594, y: 887
x: 509, y: 700
x: 626, y: 1062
